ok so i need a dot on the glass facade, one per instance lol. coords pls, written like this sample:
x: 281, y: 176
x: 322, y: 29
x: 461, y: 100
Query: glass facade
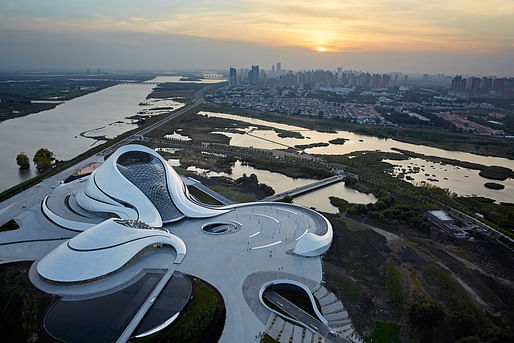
x: 147, y: 173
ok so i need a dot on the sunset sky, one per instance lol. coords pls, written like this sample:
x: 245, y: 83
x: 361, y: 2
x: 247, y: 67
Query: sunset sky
x: 420, y: 36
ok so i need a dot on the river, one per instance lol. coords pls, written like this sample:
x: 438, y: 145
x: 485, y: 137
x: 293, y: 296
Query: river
x: 464, y: 182
x: 94, y: 115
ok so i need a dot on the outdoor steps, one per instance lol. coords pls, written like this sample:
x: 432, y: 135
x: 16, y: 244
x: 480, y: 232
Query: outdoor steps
x: 276, y: 327
x: 336, y: 316
x: 317, y: 288
x: 308, y: 337
x: 320, y: 293
x: 298, y: 334
x: 338, y: 323
x: 344, y: 328
x: 287, y: 332
x: 328, y: 299
x: 333, y: 307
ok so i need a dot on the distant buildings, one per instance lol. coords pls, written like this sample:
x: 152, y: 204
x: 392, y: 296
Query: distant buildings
x: 232, y: 78
x: 253, y: 75
x: 486, y: 86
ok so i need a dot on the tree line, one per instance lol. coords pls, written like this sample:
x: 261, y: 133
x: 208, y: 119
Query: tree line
x: 43, y: 159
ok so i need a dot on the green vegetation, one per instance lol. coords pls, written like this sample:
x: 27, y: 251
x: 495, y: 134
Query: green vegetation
x: 10, y: 225
x: 202, y: 196
x: 427, y: 314
x: 394, y: 287
x: 175, y: 89
x: 496, y: 173
x: 201, y: 321
x: 489, y: 172
x: 233, y: 194
x: 252, y: 180
x: 339, y: 141
x: 493, y: 185
x: 311, y: 145
x: 22, y: 305
x: 17, y: 96
x: 341, y: 204
x: 430, y: 136
x: 43, y: 159
x: 267, y: 339
x: 385, y: 333
x: 23, y: 161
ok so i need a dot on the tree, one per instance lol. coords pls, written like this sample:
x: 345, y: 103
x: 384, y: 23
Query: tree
x: 43, y: 159
x: 23, y: 161
x: 426, y: 313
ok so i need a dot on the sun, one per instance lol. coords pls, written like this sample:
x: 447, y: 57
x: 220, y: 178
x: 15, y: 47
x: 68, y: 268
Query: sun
x: 320, y: 49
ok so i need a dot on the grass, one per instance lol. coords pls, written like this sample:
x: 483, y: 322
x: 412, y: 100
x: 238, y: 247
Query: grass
x: 461, y: 253
x: 267, y: 339
x: 394, y: 286
x: 385, y: 333
x: 202, y: 196
x: 22, y: 306
x: 202, y: 320
x: 10, y: 225
x: 233, y: 195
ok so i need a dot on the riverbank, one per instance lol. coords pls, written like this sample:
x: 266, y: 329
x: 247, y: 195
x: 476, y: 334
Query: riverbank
x: 437, y: 138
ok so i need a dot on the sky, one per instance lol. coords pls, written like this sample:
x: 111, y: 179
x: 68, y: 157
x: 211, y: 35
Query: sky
x: 473, y: 37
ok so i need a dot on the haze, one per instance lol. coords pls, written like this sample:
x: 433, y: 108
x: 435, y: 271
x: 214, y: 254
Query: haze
x: 454, y: 36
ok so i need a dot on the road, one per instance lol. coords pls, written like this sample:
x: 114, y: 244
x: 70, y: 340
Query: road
x: 297, y: 313
x: 138, y: 317
x: 17, y: 204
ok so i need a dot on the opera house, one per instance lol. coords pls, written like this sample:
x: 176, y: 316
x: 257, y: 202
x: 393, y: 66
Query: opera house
x: 143, y: 197
x: 135, y: 232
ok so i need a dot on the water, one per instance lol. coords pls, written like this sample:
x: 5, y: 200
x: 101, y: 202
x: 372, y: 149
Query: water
x: 464, y: 182
x: 177, y: 79
x: 281, y: 183
x: 95, y: 114
x: 319, y: 199
x: 355, y: 142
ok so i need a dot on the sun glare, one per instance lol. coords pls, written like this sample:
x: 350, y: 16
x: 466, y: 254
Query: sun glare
x: 320, y: 49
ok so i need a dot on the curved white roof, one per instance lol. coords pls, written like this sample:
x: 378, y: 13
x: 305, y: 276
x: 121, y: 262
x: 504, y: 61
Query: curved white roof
x: 101, y: 250
x: 109, y: 190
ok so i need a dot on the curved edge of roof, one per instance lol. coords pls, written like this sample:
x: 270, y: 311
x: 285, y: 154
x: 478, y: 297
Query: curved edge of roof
x: 311, y: 244
x: 63, y: 222
x: 110, y: 181
x: 176, y: 187
x: 65, y: 264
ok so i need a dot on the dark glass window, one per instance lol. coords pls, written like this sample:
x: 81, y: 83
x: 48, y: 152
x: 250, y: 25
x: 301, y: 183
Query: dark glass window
x: 147, y: 173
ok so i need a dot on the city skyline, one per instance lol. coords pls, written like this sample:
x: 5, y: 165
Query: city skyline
x: 413, y: 37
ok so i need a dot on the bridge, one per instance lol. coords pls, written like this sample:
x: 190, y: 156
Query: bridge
x: 307, y: 188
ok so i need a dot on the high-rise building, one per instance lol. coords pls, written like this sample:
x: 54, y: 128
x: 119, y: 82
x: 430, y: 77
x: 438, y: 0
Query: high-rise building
x: 376, y: 81
x: 339, y: 74
x: 279, y: 68
x: 486, y: 85
x: 253, y: 75
x: 456, y: 84
x: 498, y: 86
x: 386, y: 80
x: 475, y: 85
x: 232, y: 78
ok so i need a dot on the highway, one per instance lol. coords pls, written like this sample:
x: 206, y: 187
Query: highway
x: 300, y: 315
x: 20, y: 202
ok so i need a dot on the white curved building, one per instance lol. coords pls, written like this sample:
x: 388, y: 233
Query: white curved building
x: 136, y: 183
x: 104, y: 249
x: 140, y: 192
